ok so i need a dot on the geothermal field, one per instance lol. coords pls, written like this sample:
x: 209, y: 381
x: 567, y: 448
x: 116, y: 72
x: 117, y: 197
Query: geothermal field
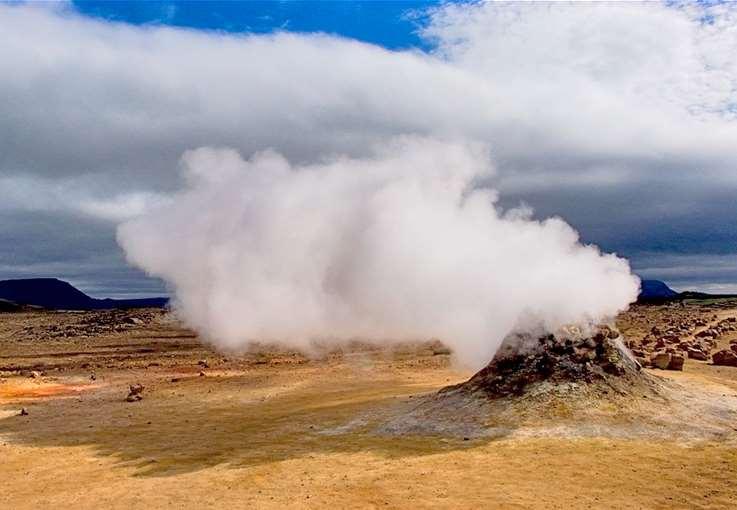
x: 400, y: 254
x: 121, y: 409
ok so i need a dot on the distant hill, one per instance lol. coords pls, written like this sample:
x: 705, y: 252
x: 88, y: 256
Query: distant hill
x: 60, y: 295
x: 655, y: 289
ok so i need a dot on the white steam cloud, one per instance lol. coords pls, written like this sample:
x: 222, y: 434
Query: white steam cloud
x: 403, y: 245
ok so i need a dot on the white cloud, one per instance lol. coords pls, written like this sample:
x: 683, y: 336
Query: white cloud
x: 640, y: 82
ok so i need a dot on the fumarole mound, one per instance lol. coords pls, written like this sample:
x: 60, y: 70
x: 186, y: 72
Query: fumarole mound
x: 572, y: 356
x: 576, y: 382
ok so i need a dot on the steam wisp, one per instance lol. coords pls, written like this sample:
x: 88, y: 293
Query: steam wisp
x: 403, y: 245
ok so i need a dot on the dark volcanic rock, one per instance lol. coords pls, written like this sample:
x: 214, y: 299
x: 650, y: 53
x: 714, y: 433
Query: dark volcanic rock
x: 523, y: 360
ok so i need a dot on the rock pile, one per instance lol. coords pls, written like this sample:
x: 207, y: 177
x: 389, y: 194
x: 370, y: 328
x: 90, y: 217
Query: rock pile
x: 570, y: 357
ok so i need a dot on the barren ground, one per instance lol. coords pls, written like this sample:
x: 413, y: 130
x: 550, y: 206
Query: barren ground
x: 275, y: 429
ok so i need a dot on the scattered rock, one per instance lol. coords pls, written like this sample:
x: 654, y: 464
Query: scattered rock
x: 35, y: 374
x: 93, y: 377
x: 23, y: 412
x: 202, y: 374
x: 203, y: 363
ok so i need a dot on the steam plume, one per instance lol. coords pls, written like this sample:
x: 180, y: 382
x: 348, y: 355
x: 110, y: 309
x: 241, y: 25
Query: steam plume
x: 402, y: 245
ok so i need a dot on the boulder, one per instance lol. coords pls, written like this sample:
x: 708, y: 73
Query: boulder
x: 725, y: 358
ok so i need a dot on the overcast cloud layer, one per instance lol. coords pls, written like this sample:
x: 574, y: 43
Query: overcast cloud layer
x: 619, y: 117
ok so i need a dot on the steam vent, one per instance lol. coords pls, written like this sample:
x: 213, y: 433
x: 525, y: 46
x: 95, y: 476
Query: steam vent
x: 571, y: 357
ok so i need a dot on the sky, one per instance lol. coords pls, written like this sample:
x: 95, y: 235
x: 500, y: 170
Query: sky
x: 621, y: 118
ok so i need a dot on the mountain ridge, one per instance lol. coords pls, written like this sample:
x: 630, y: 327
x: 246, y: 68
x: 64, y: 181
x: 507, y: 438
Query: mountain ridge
x: 56, y: 294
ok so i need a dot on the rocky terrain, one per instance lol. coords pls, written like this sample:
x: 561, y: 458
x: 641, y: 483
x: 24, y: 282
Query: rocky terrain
x: 570, y: 356
x: 698, y: 331
x: 128, y: 408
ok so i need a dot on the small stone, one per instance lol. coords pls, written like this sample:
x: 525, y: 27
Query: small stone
x: 34, y: 374
x: 23, y: 412
x: 203, y: 363
x: 135, y: 393
x: 202, y: 374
